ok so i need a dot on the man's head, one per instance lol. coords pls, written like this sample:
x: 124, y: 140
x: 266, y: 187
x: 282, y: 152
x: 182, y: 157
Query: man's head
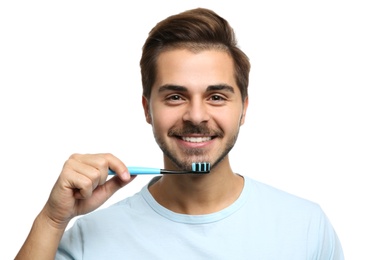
x: 195, y: 29
x: 195, y: 82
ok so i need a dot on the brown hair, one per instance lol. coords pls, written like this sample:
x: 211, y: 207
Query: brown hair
x: 195, y: 29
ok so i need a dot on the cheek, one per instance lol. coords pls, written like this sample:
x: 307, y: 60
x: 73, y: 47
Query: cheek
x: 229, y: 119
x: 161, y: 119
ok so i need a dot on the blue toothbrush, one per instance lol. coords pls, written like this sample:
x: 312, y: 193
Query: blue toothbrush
x: 197, y: 168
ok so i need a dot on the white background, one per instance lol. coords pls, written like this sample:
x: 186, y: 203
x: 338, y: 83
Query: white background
x: 318, y: 122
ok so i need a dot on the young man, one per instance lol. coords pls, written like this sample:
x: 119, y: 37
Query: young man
x: 195, y: 82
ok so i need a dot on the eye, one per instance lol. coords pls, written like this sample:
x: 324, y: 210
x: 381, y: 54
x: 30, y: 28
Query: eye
x: 217, y: 98
x: 174, y: 99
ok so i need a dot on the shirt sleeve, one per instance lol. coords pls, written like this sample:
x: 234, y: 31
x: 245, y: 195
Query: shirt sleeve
x: 71, y: 244
x: 329, y: 246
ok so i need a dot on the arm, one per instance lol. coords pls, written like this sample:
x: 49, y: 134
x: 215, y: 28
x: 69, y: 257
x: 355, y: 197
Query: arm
x: 81, y: 188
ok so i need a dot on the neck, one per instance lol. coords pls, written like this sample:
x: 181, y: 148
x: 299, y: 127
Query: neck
x: 199, y: 194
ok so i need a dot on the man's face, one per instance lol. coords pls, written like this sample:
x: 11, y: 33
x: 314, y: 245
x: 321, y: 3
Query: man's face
x: 195, y: 107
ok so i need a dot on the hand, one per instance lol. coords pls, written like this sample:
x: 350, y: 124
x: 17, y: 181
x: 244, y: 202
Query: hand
x: 83, y: 186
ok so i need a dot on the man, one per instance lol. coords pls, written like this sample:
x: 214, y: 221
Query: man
x: 195, y: 82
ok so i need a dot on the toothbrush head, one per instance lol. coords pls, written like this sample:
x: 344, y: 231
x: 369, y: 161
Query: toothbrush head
x: 201, y: 167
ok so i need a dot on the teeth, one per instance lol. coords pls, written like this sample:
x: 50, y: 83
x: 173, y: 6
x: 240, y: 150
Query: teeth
x: 196, y: 139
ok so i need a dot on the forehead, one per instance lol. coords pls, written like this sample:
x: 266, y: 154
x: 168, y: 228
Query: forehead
x: 195, y: 68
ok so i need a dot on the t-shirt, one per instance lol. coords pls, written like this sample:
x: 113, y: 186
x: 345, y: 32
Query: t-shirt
x: 263, y: 223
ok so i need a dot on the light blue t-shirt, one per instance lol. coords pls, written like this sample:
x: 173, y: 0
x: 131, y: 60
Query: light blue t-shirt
x: 263, y: 223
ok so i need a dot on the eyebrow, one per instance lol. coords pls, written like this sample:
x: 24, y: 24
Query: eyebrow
x: 217, y: 87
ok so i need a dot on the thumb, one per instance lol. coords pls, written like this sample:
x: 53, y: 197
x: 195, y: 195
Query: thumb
x: 102, y: 193
x: 117, y: 182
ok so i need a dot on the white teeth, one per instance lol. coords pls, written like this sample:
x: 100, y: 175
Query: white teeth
x: 196, y: 139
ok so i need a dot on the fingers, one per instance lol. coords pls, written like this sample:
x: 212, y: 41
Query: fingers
x: 102, y: 162
x: 85, y: 172
x: 118, y: 166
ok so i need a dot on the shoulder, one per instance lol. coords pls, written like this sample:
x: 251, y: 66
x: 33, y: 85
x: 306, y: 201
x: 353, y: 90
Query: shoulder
x: 277, y: 201
x: 294, y: 216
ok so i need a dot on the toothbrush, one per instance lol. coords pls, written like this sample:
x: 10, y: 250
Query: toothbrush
x: 197, y: 168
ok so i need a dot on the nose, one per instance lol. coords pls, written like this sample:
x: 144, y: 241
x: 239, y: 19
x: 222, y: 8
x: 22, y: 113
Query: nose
x: 196, y: 112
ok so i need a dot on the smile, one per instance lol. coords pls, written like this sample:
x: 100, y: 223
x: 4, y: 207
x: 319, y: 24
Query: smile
x: 196, y: 139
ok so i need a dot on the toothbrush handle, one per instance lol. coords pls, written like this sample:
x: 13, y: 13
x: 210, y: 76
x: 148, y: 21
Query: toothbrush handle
x: 139, y: 170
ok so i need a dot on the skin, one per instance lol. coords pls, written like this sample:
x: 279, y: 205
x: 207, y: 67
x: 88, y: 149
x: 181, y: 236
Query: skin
x: 194, y: 104
x: 193, y: 90
x: 80, y: 188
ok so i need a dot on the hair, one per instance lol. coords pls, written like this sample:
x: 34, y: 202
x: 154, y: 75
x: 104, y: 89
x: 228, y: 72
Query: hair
x: 197, y: 29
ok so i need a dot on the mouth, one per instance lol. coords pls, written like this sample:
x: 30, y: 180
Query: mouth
x: 196, y: 139
x: 195, y: 134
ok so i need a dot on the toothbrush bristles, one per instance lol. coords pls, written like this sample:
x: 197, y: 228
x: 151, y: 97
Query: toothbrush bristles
x: 201, y: 167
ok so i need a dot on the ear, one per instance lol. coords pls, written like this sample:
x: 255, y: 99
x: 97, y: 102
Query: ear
x: 246, y: 101
x: 145, y: 104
